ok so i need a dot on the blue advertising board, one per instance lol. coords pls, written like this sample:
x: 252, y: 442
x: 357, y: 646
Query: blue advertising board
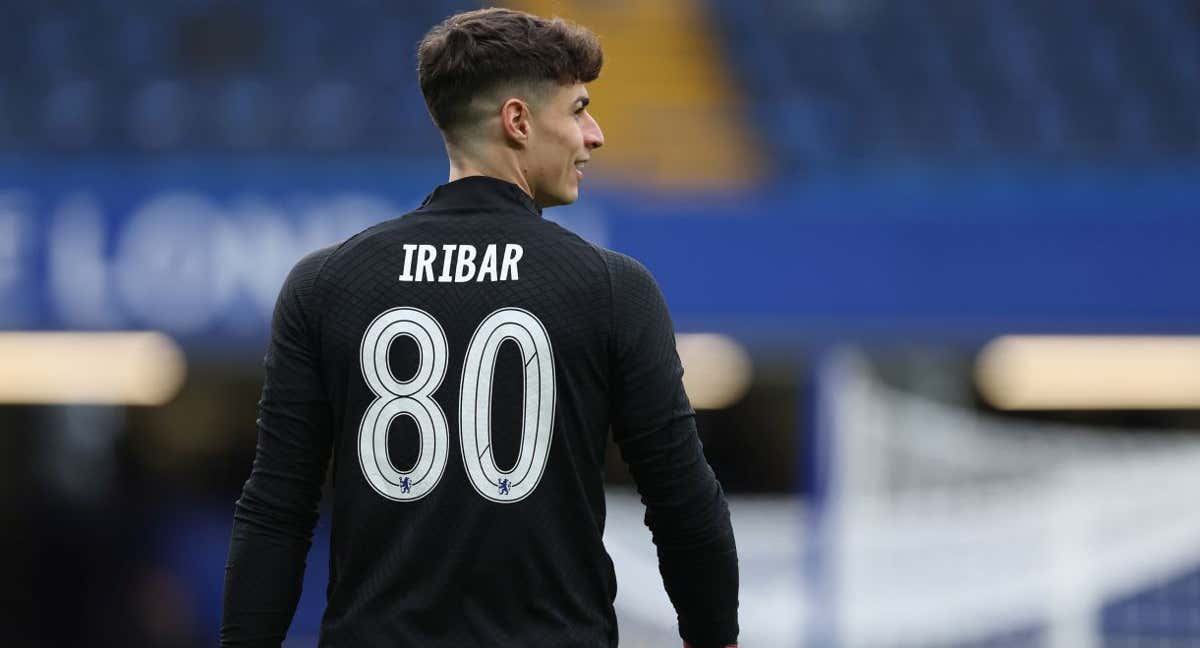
x: 199, y: 247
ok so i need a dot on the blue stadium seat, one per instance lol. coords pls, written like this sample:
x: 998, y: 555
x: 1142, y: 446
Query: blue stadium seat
x: 160, y: 115
x: 940, y: 80
x: 247, y: 114
x: 830, y: 82
x: 1166, y: 615
x: 71, y: 113
x: 329, y: 116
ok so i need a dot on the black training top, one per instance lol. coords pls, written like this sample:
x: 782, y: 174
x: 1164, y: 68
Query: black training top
x: 463, y: 364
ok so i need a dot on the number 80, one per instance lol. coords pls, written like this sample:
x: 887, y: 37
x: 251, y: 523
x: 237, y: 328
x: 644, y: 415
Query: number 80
x: 414, y: 398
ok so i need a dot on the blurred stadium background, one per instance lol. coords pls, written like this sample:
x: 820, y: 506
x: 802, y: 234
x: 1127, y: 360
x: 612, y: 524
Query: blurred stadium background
x: 882, y: 226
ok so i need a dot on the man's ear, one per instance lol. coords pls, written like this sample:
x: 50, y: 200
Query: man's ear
x: 515, y: 119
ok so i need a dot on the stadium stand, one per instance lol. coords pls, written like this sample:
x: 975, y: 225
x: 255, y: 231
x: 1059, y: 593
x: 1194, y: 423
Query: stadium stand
x: 203, y: 76
x: 944, y: 81
x: 824, y: 82
x: 1036, y: 166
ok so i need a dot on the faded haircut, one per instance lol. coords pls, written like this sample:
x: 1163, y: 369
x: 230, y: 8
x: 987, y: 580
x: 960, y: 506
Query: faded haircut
x: 473, y: 54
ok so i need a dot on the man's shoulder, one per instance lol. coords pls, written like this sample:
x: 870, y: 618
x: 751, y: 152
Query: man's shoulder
x: 347, y: 251
x: 303, y: 276
x: 620, y: 262
x: 367, y: 237
x: 626, y: 271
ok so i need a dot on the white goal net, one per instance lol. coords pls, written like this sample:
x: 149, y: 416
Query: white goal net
x: 944, y: 526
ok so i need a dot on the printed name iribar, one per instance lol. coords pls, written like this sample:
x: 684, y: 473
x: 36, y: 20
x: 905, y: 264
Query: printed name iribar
x: 458, y: 263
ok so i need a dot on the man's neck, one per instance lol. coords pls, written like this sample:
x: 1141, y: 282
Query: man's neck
x: 508, y: 169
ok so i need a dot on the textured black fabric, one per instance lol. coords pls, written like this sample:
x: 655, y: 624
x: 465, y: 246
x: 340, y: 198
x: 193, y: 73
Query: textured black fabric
x: 456, y: 568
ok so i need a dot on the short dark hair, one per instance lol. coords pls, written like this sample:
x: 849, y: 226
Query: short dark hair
x: 474, y: 52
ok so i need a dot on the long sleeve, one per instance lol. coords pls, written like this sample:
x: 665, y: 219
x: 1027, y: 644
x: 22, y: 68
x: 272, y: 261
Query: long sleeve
x: 655, y: 429
x: 275, y: 516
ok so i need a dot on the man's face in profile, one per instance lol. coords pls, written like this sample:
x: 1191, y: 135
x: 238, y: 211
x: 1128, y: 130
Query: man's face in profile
x: 561, y: 141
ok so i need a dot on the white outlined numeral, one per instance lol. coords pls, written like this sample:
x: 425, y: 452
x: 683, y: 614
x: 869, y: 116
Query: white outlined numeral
x: 414, y: 398
x: 475, y: 405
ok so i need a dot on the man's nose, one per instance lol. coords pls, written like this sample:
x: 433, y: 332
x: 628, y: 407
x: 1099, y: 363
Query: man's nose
x: 593, y: 137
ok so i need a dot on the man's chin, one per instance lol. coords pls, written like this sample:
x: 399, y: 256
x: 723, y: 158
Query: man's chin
x: 572, y: 194
x: 566, y: 198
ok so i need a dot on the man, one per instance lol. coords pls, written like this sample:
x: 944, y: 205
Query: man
x: 464, y: 364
